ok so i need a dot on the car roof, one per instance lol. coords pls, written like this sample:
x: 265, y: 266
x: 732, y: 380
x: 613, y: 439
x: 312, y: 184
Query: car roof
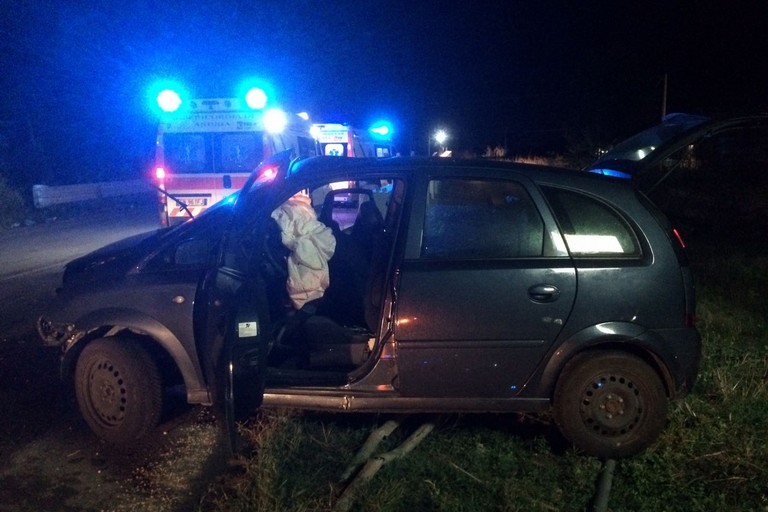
x: 316, y: 171
x: 321, y: 166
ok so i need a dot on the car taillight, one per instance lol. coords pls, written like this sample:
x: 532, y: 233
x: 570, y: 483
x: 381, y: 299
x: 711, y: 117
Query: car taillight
x: 678, y: 237
x: 678, y: 245
x: 268, y: 173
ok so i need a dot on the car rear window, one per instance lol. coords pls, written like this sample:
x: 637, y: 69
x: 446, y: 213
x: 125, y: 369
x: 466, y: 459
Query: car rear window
x: 480, y: 219
x: 590, y: 227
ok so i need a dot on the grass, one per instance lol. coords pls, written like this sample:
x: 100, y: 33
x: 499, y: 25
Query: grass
x: 713, y: 454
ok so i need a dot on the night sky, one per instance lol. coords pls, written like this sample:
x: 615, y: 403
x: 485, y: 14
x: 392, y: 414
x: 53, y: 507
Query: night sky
x: 539, y: 76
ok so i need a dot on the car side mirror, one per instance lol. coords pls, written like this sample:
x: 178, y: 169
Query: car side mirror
x: 193, y: 252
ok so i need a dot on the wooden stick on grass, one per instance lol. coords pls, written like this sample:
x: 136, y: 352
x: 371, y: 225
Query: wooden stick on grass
x: 370, y: 445
x: 375, y: 463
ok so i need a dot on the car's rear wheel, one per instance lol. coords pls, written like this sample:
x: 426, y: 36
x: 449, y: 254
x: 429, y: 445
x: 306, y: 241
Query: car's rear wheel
x: 119, y: 389
x: 610, y: 404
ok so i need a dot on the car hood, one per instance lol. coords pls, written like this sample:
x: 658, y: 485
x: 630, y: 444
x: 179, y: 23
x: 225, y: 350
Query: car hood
x: 639, y: 156
x: 116, y: 258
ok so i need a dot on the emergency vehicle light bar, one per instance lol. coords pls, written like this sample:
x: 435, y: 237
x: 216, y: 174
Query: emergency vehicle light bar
x: 168, y: 100
x: 171, y: 98
x: 256, y: 98
x: 381, y: 128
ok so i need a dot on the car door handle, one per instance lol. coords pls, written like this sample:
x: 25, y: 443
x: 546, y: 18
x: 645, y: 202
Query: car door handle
x: 543, y: 293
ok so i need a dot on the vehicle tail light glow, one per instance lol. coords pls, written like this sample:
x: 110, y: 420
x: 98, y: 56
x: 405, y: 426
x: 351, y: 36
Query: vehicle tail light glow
x: 678, y: 237
x: 268, y: 173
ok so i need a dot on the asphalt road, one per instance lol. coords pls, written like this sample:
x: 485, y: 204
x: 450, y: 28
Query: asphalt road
x: 33, y: 257
x: 49, y: 460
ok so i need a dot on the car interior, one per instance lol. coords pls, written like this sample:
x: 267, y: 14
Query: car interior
x: 335, y: 334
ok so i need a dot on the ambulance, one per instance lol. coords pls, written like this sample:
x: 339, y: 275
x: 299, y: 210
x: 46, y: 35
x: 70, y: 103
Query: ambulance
x: 207, y: 147
x: 336, y: 139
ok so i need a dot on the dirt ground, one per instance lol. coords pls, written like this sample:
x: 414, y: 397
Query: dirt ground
x: 50, y: 461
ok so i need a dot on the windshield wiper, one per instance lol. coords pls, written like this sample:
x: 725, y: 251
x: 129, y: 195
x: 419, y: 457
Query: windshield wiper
x: 179, y: 202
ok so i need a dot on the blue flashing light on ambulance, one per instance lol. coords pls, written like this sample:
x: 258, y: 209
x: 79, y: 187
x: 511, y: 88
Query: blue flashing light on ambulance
x: 207, y: 147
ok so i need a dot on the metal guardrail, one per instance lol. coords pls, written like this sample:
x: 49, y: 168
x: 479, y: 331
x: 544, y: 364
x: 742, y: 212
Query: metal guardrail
x: 45, y: 196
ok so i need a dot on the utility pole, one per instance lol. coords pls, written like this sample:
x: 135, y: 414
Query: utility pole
x: 664, y: 98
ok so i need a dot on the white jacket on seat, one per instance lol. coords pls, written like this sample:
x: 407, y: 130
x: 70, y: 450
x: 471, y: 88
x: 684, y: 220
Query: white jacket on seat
x: 311, y: 244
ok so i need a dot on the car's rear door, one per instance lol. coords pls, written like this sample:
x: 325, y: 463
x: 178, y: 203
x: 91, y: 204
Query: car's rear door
x: 484, y: 289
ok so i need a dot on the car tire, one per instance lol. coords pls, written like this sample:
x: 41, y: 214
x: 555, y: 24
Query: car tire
x: 609, y: 404
x: 119, y: 390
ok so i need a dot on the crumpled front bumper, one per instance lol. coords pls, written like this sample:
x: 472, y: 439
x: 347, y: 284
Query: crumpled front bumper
x: 55, y: 334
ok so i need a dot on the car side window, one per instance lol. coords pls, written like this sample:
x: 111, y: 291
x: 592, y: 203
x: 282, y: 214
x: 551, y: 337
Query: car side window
x: 480, y: 219
x: 590, y: 227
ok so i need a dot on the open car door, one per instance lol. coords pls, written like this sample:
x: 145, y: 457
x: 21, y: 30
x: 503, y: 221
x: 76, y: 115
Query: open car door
x: 233, y: 309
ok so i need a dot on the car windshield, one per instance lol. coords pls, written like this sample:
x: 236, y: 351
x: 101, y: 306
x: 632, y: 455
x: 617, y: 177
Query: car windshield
x: 215, y: 214
x: 639, y: 146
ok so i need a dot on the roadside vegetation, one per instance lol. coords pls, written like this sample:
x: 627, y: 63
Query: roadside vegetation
x: 712, y: 456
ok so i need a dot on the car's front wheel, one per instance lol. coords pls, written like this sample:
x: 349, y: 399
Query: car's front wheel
x: 610, y: 404
x: 119, y: 389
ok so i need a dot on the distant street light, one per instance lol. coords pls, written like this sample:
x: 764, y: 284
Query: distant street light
x: 440, y: 137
